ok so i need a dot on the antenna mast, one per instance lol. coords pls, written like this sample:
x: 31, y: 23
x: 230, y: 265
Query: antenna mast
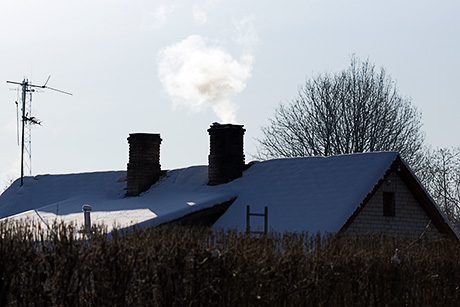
x: 28, y: 120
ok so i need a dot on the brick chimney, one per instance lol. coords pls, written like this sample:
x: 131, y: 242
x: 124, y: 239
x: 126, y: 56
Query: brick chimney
x: 226, y: 158
x: 144, y: 162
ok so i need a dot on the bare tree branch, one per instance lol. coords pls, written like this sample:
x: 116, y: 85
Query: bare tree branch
x: 440, y: 175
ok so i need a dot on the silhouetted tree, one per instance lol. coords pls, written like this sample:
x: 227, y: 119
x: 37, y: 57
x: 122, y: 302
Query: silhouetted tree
x: 356, y: 110
x: 440, y: 174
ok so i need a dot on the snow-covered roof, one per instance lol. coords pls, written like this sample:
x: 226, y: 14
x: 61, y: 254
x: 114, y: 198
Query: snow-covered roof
x: 302, y: 194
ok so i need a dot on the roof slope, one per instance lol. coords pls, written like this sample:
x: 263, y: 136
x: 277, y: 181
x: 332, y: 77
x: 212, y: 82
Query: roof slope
x: 307, y: 194
x: 302, y: 194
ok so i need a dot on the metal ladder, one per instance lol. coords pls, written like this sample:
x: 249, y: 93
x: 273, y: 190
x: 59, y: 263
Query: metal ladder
x: 248, y: 220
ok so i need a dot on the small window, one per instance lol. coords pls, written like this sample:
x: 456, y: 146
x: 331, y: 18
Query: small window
x: 388, y: 204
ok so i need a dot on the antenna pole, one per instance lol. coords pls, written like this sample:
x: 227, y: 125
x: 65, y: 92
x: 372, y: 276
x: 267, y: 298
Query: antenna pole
x: 24, y: 90
x: 28, y: 87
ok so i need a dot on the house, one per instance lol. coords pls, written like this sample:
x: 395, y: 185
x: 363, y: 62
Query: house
x: 356, y: 194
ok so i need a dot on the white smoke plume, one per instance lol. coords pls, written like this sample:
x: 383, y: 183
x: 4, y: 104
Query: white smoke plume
x: 198, y: 75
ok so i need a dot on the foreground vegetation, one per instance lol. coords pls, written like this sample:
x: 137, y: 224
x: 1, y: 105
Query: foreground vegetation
x: 180, y: 266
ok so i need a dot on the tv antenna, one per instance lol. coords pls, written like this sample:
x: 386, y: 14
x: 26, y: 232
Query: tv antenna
x: 28, y: 120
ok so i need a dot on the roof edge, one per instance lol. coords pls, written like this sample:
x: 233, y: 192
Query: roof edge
x: 428, y: 204
x: 367, y: 198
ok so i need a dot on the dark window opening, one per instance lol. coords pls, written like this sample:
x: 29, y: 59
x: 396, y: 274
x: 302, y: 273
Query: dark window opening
x: 388, y: 204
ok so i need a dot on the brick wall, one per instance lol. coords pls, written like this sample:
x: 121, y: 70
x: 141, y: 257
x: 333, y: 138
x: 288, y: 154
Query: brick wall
x: 409, y: 219
x: 144, y: 162
x: 226, y: 157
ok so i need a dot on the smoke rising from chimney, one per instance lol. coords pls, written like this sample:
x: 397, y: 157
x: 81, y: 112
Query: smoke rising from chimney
x: 197, y: 75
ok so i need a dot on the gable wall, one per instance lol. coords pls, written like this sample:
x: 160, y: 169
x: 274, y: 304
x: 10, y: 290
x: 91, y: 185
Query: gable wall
x: 409, y: 220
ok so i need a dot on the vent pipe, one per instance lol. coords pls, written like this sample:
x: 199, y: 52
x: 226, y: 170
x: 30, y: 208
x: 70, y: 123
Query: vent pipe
x: 86, y: 212
x: 226, y: 158
x: 144, y: 162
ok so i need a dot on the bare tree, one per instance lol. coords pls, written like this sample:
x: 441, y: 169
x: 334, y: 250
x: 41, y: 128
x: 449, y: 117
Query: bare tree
x: 440, y: 175
x: 356, y: 110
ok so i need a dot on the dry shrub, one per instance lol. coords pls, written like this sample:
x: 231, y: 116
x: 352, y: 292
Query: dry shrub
x: 182, y: 266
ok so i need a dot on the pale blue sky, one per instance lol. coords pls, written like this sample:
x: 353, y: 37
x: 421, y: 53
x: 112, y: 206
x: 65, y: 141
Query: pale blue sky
x: 129, y: 62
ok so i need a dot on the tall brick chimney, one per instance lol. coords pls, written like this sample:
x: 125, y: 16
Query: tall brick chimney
x: 144, y: 162
x: 226, y: 158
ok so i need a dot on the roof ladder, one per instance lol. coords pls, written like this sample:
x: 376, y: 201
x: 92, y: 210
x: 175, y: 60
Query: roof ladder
x: 248, y: 220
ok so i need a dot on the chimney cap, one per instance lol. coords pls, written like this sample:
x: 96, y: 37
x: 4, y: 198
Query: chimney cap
x: 144, y: 136
x: 86, y: 208
x: 217, y: 125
